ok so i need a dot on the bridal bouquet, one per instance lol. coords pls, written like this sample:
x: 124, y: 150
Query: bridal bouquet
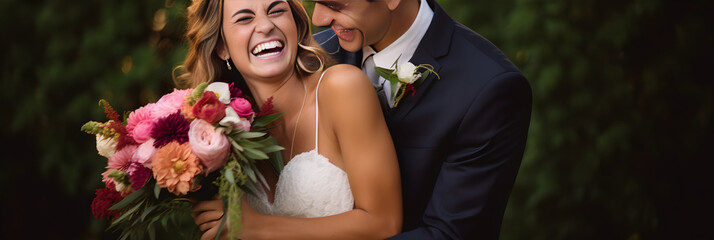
x: 188, y: 146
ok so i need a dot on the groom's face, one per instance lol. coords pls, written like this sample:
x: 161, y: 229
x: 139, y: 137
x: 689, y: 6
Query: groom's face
x: 357, y: 23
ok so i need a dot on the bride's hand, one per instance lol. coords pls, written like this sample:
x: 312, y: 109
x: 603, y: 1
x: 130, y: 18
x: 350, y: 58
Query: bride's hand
x: 208, y: 214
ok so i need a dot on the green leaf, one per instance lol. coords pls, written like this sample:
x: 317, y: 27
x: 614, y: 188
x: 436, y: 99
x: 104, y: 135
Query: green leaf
x: 148, y: 211
x: 250, y: 134
x: 249, y: 171
x: 394, y: 85
x: 249, y: 144
x: 273, y: 148
x: 165, y: 222
x: 127, y: 214
x: 128, y: 199
x: 255, y: 154
x: 235, y: 144
x: 152, y: 233
x: 263, y: 121
x: 157, y: 191
x: 385, y: 73
x: 220, y: 227
x: 229, y: 176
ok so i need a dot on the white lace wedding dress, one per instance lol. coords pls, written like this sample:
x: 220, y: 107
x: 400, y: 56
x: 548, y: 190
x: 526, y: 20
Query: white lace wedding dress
x: 309, y: 186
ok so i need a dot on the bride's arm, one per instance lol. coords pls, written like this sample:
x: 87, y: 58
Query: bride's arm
x: 350, y: 107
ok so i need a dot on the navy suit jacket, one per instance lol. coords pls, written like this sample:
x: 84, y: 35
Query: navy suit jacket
x: 459, y: 139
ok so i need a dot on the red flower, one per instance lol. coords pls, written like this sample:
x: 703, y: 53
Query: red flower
x: 235, y: 91
x: 173, y: 127
x: 209, y: 108
x: 410, y: 89
x: 124, y: 138
x: 138, y: 176
x: 103, y: 201
x: 267, y: 107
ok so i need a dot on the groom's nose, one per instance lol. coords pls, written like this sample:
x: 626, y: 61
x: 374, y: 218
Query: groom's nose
x: 322, y: 15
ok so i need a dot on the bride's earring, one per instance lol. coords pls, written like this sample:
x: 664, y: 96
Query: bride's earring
x: 228, y: 64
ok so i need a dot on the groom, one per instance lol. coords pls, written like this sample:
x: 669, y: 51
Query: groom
x: 460, y: 138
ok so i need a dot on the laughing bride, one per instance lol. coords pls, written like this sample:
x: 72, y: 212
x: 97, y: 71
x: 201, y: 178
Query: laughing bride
x: 341, y: 179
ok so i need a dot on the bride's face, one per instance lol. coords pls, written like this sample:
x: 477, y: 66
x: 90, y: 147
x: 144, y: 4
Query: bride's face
x: 261, y: 37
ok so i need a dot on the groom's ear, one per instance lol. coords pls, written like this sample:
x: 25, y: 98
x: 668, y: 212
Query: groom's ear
x: 393, y: 4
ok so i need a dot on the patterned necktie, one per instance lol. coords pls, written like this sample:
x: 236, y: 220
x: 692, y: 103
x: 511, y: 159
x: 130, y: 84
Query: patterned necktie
x: 368, y: 68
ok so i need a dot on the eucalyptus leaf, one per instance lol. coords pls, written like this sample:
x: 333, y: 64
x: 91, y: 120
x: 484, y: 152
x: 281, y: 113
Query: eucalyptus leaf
x: 235, y: 145
x: 249, y: 144
x: 255, y: 154
x: 272, y: 148
x: 251, y: 134
x: 249, y: 171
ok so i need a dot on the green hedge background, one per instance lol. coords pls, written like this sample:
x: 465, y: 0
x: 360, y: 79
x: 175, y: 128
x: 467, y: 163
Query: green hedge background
x: 621, y: 144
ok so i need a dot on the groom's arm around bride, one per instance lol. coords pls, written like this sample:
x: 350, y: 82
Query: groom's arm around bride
x: 460, y: 138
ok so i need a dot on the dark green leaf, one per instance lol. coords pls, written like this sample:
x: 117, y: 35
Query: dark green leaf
x: 128, y: 199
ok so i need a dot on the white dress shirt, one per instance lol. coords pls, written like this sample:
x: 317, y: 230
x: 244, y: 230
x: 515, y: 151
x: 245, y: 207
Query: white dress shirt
x: 403, y: 48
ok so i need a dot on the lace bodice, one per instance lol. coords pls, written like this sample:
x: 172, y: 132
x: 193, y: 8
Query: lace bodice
x: 309, y: 186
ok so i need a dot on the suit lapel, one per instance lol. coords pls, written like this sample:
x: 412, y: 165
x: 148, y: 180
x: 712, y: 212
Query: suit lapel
x: 434, y: 44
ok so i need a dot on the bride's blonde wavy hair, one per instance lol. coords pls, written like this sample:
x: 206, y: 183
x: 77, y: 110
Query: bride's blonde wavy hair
x: 202, y: 64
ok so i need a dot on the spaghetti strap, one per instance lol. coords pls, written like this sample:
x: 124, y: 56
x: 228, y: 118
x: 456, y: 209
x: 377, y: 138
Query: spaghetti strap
x: 317, y: 110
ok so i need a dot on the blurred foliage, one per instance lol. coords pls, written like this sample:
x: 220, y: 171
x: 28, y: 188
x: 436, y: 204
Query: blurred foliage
x: 620, y: 146
x: 58, y: 60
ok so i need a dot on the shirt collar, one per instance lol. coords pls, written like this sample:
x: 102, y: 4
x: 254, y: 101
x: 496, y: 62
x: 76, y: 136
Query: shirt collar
x: 405, y: 46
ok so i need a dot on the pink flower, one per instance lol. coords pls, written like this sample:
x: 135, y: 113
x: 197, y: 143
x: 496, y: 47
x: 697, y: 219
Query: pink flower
x: 242, y: 107
x: 138, y: 175
x: 209, y: 144
x: 140, y: 122
x: 122, y: 158
x: 209, y: 108
x: 170, y: 103
x: 145, y: 153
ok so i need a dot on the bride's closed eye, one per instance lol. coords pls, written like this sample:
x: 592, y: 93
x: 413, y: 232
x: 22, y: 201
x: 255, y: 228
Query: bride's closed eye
x: 277, y: 12
x: 276, y: 8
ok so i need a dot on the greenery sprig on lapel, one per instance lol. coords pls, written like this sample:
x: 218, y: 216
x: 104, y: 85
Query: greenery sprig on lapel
x: 405, y: 78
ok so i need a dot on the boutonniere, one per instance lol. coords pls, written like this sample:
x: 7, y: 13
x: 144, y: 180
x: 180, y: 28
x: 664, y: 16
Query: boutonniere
x: 405, y: 78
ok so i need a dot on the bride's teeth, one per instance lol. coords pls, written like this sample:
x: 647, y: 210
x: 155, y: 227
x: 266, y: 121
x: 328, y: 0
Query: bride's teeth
x: 268, y: 45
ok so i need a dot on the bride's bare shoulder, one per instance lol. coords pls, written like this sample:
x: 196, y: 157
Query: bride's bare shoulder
x: 346, y: 85
x: 345, y: 77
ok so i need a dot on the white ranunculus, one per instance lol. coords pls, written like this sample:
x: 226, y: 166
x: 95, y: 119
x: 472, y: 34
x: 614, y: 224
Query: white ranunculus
x: 106, y: 146
x: 233, y: 120
x: 406, y: 73
x: 222, y: 91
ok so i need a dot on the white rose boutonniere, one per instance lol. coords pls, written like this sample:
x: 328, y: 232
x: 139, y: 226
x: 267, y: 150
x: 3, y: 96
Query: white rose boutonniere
x: 405, y: 78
